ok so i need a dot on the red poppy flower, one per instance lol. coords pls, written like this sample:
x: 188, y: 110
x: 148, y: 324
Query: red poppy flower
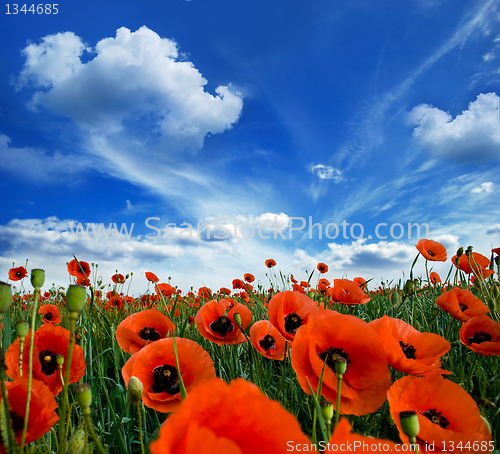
x: 304, y: 284
x: 482, y: 335
x: 115, y: 302
x: 324, y: 282
x: 267, y: 340
x: 360, y: 282
x: 205, y: 292
x: 322, y: 268
x: 434, y: 277
x: 409, y: 350
x: 224, y: 291
x: 461, y: 304
x: 141, y: 329
x: 367, y: 379
x: 118, y: 278
x: 166, y: 290
x: 237, y: 283
x: 249, y: 277
x: 155, y: 366
x: 298, y: 288
x: 347, y: 292
x: 151, y: 277
x: 432, y: 250
x: 50, y: 341
x: 79, y: 269
x: 42, y: 414
x: 478, y: 262
x: 50, y: 313
x: 83, y: 281
x: 270, y: 263
x: 290, y: 310
x: 295, y: 281
x: 221, y: 418
x: 16, y: 274
x: 446, y: 413
x: 496, y: 251
x: 216, y: 323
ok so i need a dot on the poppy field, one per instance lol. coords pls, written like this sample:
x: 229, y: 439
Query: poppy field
x: 311, y: 363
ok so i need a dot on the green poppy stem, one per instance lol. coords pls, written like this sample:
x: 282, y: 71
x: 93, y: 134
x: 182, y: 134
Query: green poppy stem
x: 88, y: 424
x: 181, y: 382
x: 337, y: 409
x: 139, y: 417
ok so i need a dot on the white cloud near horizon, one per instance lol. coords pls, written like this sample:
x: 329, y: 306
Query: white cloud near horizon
x: 485, y: 187
x: 474, y: 135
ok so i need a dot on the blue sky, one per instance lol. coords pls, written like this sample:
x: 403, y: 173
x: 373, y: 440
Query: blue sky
x: 248, y: 113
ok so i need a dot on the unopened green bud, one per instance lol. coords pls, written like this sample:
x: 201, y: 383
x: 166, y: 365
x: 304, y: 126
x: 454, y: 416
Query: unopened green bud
x: 326, y: 410
x: 135, y: 389
x: 76, y: 296
x: 5, y: 297
x: 311, y: 294
x: 497, y: 260
x: 37, y: 278
x: 340, y: 365
x: 237, y: 320
x: 59, y: 360
x: 409, y: 423
x: 395, y: 298
x: 468, y: 251
x: 76, y: 443
x: 408, y: 286
x: 83, y: 395
x: 22, y: 329
x: 460, y: 252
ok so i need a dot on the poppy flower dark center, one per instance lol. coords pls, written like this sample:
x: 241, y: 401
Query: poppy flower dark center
x: 479, y: 336
x: 165, y: 379
x: 149, y: 334
x: 463, y: 307
x: 48, y: 316
x: 17, y: 422
x: 268, y: 342
x: 436, y: 417
x: 292, y: 323
x: 222, y: 326
x: 19, y: 274
x: 431, y: 253
x: 408, y: 350
x: 333, y: 354
x: 48, y: 362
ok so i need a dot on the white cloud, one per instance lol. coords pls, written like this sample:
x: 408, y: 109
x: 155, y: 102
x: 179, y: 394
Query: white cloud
x: 325, y: 172
x: 493, y: 230
x: 136, y: 75
x: 488, y: 57
x: 485, y: 187
x: 474, y: 135
x: 43, y: 167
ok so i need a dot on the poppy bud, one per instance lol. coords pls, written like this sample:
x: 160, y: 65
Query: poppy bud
x: 5, y: 297
x: 76, y: 443
x: 37, y: 278
x: 408, y: 286
x: 311, y: 294
x: 395, y: 298
x: 340, y: 365
x: 59, y: 360
x: 497, y: 260
x: 135, y: 389
x: 75, y: 298
x: 83, y: 395
x: 326, y: 410
x: 22, y: 329
x: 237, y: 320
x: 460, y: 252
x: 409, y: 424
x: 468, y: 251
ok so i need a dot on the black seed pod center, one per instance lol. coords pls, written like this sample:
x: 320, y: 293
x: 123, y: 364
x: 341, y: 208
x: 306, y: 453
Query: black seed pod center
x: 148, y: 333
x: 48, y: 316
x: 463, y: 307
x: 479, y: 336
x: 19, y: 274
x: 436, y: 417
x: 408, y: 350
x: 268, y: 342
x: 333, y: 354
x: 222, y: 326
x: 293, y: 322
x: 165, y: 379
x: 48, y: 362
